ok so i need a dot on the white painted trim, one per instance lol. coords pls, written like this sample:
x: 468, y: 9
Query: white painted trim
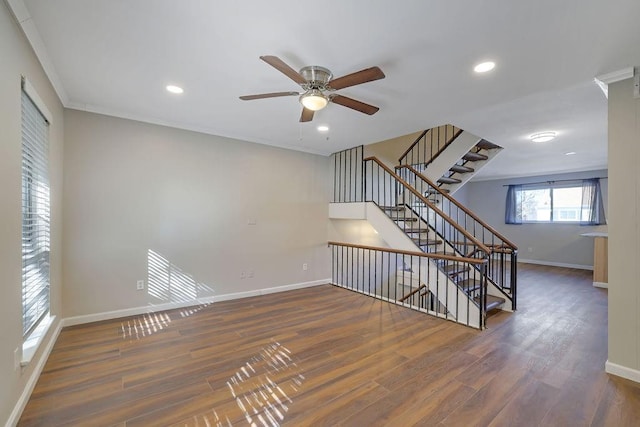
x: 601, y: 285
x: 556, y: 264
x: 23, y: 17
x: 113, y: 112
x: 135, y: 311
x: 33, y: 378
x: 38, y: 102
x: 622, y: 371
x: 616, y: 76
x: 31, y: 345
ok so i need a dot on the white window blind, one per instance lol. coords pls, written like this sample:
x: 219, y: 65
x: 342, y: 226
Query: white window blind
x: 35, y: 215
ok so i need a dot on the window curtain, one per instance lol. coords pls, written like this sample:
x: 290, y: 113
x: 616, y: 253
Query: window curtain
x: 513, y: 211
x: 592, y: 205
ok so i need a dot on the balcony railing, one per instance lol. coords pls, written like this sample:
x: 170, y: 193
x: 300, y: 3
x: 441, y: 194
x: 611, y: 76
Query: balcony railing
x: 411, y: 279
x: 429, y: 145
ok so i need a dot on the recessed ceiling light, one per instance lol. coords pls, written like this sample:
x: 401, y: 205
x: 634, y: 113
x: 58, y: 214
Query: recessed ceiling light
x: 483, y: 67
x: 174, y: 89
x: 543, y: 136
x: 569, y: 153
x: 323, y: 128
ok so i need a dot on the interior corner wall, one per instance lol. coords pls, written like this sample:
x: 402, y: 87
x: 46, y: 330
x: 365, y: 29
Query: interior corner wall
x: 19, y: 60
x: 195, y: 216
x: 624, y: 233
x: 551, y: 244
x: 390, y: 150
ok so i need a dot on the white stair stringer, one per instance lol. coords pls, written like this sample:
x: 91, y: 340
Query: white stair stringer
x: 439, y: 283
x: 451, y: 155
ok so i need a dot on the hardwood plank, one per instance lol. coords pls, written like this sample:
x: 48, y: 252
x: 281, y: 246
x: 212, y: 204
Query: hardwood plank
x: 528, y: 406
x: 346, y: 359
x: 335, y: 411
x: 620, y: 404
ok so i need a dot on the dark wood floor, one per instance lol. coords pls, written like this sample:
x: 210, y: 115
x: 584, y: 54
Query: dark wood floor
x: 327, y: 356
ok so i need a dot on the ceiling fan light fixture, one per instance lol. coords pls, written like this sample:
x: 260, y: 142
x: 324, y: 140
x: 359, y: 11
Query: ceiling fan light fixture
x: 313, y: 100
x: 543, y: 136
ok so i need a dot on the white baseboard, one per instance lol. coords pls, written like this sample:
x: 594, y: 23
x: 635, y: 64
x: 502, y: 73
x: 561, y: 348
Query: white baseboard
x: 601, y: 285
x: 33, y: 378
x: 622, y: 371
x: 556, y: 264
x: 135, y: 311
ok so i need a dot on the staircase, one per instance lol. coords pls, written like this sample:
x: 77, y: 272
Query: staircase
x: 466, y: 269
x: 429, y: 241
x: 471, y: 162
x: 449, y: 156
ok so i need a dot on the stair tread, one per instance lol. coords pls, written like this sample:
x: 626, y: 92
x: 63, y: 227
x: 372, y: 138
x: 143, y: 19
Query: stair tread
x: 403, y: 219
x: 461, y: 169
x: 450, y: 253
x: 486, y: 145
x: 426, y: 242
x: 415, y: 230
x: 432, y: 191
x: 448, y: 180
x: 393, y: 208
x: 469, y: 285
x: 457, y: 268
x: 472, y: 156
x: 492, y: 301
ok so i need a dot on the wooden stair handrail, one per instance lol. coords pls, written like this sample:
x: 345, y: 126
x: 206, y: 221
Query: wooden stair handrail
x: 461, y: 206
x: 414, y: 144
x: 413, y: 292
x: 426, y: 201
x: 412, y: 253
x: 455, y: 135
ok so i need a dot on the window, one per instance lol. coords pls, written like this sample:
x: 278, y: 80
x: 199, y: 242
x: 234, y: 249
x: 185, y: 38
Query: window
x: 35, y: 212
x: 568, y: 202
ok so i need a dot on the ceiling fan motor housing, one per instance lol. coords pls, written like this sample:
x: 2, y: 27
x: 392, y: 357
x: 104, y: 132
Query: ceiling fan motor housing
x: 317, y: 77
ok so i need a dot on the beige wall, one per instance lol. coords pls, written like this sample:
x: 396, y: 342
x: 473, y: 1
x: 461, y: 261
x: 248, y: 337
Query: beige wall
x: 389, y: 151
x: 132, y: 188
x: 624, y: 233
x: 16, y: 59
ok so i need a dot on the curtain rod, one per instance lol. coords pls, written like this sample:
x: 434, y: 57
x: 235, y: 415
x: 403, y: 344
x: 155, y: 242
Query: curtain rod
x: 557, y: 180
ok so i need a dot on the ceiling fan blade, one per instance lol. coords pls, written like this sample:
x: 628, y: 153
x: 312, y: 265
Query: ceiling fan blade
x: 359, y: 77
x: 354, y: 105
x: 307, y: 115
x: 267, y: 95
x: 281, y: 66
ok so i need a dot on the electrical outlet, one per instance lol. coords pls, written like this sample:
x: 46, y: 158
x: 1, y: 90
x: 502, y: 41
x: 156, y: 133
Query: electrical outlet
x: 529, y: 249
x: 305, y: 266
x: 140, y: 285
x: 250, y: 274
x: 242, y: 275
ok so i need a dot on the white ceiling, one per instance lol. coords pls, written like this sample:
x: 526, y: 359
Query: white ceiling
x: 116, y: 56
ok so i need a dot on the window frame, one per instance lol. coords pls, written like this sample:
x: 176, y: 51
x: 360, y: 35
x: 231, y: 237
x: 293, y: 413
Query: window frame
x: 35, y: 213
x: 511, y: 212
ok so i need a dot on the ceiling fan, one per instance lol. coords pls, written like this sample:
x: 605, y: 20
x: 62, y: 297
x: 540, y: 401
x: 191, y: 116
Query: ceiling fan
x: 318, y: 85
